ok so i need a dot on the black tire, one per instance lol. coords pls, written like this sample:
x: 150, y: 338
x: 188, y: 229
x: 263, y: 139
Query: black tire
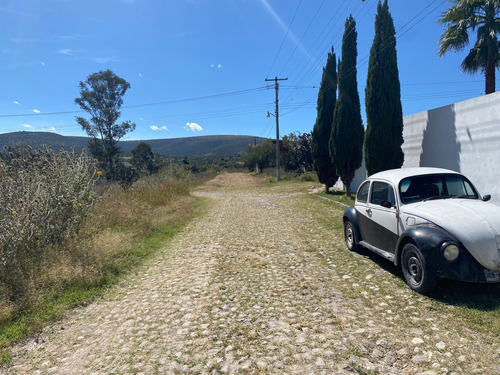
x: 350, y: 236
x: 415, y: 271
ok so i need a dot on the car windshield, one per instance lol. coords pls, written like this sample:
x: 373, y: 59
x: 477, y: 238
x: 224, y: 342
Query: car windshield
x: 423, y: 188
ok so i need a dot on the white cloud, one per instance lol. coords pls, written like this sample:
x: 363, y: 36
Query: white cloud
x: 50, y: 129
x: 157, y: 128
x: 193, y: 126
x: 218, y: 66
x: 140, y: 74
x: 36, y: 111
x: 15, y: 102
x: 27, y: 126
x: 66, y: 51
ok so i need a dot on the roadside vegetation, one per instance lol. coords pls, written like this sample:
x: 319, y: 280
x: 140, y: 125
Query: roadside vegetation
x: 66, y: 234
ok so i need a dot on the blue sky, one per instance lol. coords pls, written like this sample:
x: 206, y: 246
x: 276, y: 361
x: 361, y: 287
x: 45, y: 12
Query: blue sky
x: 198, y: 67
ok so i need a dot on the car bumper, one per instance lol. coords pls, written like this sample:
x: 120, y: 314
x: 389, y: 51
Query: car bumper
x: 464, y: 268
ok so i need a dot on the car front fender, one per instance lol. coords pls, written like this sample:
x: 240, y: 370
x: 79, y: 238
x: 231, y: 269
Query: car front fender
x: 429, y: 239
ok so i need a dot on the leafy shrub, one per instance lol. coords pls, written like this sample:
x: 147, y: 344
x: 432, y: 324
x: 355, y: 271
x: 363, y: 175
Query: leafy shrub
x: 308, y: 176
x: 260, y: 156
x: 296, y: 155
x: 45, y: 195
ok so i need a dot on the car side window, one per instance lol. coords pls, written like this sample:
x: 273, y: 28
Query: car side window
x: 363, y: 192
x: 382, y: 191
x: 458, y: 186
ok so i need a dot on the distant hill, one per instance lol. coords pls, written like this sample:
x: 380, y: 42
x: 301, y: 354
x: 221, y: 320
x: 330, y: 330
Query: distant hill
x: 214, y: 145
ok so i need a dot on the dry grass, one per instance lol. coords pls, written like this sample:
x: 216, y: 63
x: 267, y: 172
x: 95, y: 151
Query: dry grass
x: 123, y: 228
x: 46, y: 196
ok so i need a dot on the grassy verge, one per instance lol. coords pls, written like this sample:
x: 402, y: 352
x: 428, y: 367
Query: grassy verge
x: 125, y: 228
x: 476, y: 306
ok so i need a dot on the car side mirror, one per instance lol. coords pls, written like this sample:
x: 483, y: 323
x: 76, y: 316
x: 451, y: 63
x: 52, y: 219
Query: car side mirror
x: 486, y: 198
x: 386, y: 204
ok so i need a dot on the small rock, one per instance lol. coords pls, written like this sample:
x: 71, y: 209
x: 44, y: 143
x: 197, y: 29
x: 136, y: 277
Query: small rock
x: 417, y: 359
x: 441, y: 345
x: 382, y: 342
x: 417, y: 341
x: 329, y: 354
x: 320, y: 362
x: 390, y: 358
x: 376, y: 353
x: 278, y: 365
x: 261, y: 364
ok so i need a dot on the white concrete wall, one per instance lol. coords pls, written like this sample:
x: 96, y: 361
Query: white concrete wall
x: 464, y: 137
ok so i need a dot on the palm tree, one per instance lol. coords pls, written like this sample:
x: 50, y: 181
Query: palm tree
x: 481, y: 16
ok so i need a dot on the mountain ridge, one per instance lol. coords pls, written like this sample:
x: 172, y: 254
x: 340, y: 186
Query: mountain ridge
x: 216, y: 145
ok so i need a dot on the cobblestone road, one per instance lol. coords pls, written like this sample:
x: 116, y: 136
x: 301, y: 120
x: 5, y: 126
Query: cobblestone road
x: 243, y: 289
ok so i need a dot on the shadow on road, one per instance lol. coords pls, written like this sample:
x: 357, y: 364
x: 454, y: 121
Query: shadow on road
x: 478, y: 296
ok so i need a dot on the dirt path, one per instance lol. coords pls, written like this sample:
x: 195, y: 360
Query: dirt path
x: 244, y: 289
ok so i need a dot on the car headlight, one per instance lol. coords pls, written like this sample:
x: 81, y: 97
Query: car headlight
x: 450, y: 252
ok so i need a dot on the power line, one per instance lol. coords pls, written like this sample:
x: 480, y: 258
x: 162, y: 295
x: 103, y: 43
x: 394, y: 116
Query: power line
x: 284, y: 39
x: 400, y: 32
x: 302, y: 37
x: 232, y: 93
x: 308, y: 72
x: 365, y: 59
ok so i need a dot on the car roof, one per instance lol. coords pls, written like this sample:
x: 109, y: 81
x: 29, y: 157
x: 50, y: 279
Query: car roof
x: 396, y: 175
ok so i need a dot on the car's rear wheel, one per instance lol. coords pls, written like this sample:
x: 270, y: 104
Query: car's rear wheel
x: 350, y: 236
x: 415, y: 271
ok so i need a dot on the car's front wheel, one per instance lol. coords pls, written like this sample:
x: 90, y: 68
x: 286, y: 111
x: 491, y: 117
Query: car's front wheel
x: 415, y: 271
x: 350, y: 237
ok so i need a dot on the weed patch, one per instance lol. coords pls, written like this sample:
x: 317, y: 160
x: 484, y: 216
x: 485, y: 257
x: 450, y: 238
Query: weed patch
x: 121, y: 230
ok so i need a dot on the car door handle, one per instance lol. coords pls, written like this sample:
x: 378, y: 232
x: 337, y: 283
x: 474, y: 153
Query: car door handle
x: 369, y: 212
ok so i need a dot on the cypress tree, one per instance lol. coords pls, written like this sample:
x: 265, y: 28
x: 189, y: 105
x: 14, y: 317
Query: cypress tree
x: 327, y: 97
x: 346, y: 140
x: 384, y: 114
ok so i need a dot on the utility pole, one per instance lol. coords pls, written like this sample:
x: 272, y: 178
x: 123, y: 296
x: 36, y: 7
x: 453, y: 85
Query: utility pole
x: 276, y: 115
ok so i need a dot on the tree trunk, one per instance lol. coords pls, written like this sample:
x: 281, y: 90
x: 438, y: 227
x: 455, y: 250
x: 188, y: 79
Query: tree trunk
x: 348, y: 190
x: 490, y: 77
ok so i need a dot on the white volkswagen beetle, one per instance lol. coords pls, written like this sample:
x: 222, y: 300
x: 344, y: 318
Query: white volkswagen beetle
x: 431, y: 222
